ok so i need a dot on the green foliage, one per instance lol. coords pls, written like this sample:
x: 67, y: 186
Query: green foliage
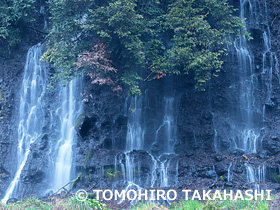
x: 71, y: 203
x: 64, y: 38
x: 28, y: 204
x: 111, y: 174
x: 188, y: 204
x: 199, y: 30
x: 75, y: 182
x: 238, y: 204
x: 147, y: 206
x: 13, y: 15
x: 223, y: 204
x: 145, y: 39
x: 276, y: 178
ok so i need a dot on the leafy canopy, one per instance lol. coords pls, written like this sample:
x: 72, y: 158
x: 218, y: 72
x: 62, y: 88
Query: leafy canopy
x: 13, y: 14
x: 140, y: 39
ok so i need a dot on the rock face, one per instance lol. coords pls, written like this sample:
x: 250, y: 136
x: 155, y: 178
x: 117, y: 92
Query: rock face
x: 189, y: 139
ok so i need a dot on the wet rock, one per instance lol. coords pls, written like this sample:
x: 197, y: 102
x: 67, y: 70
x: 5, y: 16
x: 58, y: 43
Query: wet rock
x: 238, y: 152
x: 270, y: 104
x: 207, y: 116
x: 12, y: 200
x: 238, y: 170
x: 210, y: 174
x: 274, y: 138
x: 263, y: 154
x: 221, y: 169
x: 228, y: 184
x: 218, y: 158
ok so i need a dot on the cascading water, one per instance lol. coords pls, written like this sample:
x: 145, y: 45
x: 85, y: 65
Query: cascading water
x: 247, y: 139
x: 230, y: 173
x: 69, y: 107
x: 261, y: 173
x: 134, y: 137
x: 252, y: 78
x: 255, y: 176
x: 31, y: 113
x: 267, y: 60
x: 166, y: 132
x: 163, y: 173
x: 135, y: 133
x: 251, y: 178
x: 165, y: 136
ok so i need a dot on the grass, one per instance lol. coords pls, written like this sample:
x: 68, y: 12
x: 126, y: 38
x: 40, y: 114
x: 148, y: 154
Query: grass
x: 147, y: 206
x: 210, y: 205
x: 56, y: 204
x: 73, y: 204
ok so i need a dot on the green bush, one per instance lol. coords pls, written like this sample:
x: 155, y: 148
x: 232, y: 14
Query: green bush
x: 13, y: 15
x: 142, y: 39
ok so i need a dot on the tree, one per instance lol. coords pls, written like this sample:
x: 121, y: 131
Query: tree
x: 143, y: 39
x: 13, y: 15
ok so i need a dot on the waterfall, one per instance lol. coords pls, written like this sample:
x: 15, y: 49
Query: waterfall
x: 216, y: 147
x: 135, y: 132
x: 277, y: 72
x: 230, y: 173
x: 247, y: 140
x: 165, y: 136
x: 251, y: 175
x: 69, y: 107
x: 248, y: 81
x: 167, y: 128
x: 31, y: 113
x: 43, y: 12
x: 135, y: 135
x: 254, y: 176
x: 267, y: 60
x: 261, y: 173
x: 164, y: 173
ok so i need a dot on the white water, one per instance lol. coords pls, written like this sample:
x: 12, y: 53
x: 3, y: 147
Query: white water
x: 216, y: 146
x: 261, y: 173
x: 255, y: 176
x: 166, y: 137
x: 267, y: 60
x: 250, y: 112
x: 230, y: 173
x: 135, y: 132
x: 247, y: 140
x: 69, y: 108
x: 159, y: 174
x: 31, y: 113
x: 167, y: 128
x: 135, y: 135
x: 164, y: 173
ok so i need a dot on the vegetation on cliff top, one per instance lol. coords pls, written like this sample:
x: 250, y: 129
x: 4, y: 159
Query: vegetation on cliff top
x: 119, y: 42
x: 128, y: 41
x: 12, y: 16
